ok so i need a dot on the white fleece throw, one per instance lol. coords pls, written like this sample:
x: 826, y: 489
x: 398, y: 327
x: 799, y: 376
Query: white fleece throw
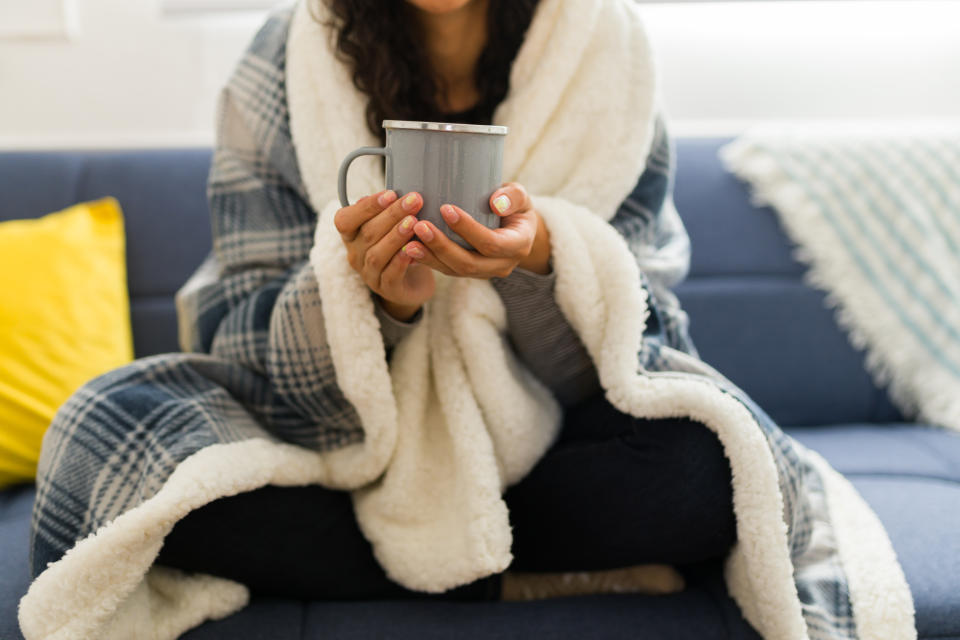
x: 875, y: 213
x: 466, y: 418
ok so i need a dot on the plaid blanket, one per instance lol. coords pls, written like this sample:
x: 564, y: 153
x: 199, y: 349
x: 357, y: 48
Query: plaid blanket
x: 120, y: 462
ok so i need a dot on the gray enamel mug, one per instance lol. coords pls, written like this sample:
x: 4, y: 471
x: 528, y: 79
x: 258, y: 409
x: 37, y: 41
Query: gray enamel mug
x: 446, y: 163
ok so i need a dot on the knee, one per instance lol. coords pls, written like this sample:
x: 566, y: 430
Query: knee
x: 694, y: 477
x: 85, y: 403
x: 700, y: 464
x: 138, y: 388
x: 701, y: 456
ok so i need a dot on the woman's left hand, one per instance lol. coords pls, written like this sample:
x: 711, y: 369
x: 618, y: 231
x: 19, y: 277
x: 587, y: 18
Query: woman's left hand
x: 499, y: 251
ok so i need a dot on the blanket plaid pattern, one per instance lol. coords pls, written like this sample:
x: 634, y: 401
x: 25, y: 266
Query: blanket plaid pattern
x: 256, y: 363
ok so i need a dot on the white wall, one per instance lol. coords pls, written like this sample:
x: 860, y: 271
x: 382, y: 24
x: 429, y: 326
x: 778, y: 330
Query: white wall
x: 133, y: 77
x: 726, y: 65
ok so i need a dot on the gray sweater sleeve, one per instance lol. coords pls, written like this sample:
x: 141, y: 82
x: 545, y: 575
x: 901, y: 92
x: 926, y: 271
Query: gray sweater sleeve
x: 543, y: 338
x: 393, y: 330
x: 538, y: 332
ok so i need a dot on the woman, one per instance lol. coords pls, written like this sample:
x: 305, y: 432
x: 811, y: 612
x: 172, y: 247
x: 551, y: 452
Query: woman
x: 350, y: 420
x: 259, y: 363
x: 448, y: 60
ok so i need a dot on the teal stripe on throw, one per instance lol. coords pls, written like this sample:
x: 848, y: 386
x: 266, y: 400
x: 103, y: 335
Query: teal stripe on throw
x: 866, y: 150
x: 885, y: 220
x: 952, y: 175
x: 861, y: 261
x: 878, y: 246
x: 953, y: 149
x: 917, y: 165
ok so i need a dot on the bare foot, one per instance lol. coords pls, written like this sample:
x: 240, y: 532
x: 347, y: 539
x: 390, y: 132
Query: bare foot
x: 649, y: 579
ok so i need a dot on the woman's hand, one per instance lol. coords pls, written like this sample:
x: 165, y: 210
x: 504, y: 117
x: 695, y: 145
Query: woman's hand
x: 373, y: 230
x: 522, y: 240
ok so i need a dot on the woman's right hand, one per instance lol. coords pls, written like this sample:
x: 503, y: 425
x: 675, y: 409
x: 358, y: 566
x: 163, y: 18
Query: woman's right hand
x: 373, y: 231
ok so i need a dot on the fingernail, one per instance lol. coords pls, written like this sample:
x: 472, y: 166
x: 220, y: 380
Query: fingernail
x: 449, y: 213
x: 424, y: 231
x: 386, y: 198
x: 407, y: 223
x: 409, y: 202
x: 501, y: 202
x: 413, y: 251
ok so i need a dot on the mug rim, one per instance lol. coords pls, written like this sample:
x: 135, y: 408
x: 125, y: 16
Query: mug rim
x: 453, y: 127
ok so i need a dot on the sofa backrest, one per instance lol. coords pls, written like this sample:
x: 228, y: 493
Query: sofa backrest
x: 163, y: 197
x: 751, y: 315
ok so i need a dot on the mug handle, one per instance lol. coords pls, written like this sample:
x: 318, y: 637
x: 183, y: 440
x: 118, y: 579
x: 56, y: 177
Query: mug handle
x: 345, y: 165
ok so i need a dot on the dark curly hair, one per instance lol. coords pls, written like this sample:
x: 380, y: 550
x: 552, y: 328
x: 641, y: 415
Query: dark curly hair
x: 375, y: 37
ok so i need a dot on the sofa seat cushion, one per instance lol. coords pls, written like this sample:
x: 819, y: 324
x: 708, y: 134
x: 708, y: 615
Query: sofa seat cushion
x: 910, y: 476
x: 894, y: 449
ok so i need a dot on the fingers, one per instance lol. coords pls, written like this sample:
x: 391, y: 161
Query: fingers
x: 423, y: 255
x: 510, y: 198
x: 376, y: 227
x: 391, y: 278
x: 372, y: 231
x: 378, y: 257
x: 493, y: 243
x: 366, y: 251
x: 363, y: 220
x: 349, y: 219
x: 456, y: 258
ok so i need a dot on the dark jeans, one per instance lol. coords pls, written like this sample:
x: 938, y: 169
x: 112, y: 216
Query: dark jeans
x: 613, y: 491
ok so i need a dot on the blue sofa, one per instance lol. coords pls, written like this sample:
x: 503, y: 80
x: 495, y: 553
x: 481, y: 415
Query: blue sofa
x: 751, y: 317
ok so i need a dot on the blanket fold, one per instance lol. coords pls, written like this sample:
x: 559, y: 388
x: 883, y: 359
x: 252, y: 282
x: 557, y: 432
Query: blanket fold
x: 464, y: 418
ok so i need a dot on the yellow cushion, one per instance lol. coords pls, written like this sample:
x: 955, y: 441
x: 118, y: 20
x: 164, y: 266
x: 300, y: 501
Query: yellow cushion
x: 64, y: 319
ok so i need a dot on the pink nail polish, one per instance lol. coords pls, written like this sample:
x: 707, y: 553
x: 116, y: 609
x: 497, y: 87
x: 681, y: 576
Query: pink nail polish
x: 386, y: 198
x: 449, y: 213
x: 424, y: 231
x: 410, y: 202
